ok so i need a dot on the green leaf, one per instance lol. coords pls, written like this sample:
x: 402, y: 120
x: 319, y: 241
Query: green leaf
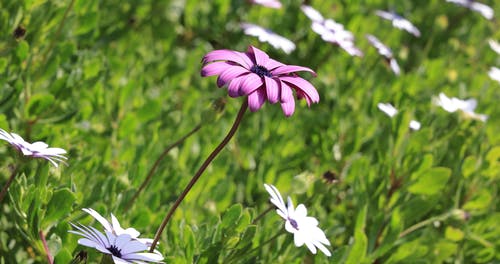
x: 453, y: 234
x: 59, y: 206
x: 358, y: 250
x: 38, y: 104
x: 430, y: 182
x: 231, y: 216
x: 22, y: 50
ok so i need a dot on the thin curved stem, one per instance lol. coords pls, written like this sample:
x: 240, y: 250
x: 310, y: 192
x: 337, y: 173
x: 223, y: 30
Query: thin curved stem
x: 263, y: 214
x: 155, y: 165
x: 203, y: 167
x: 424, y: 223
x: 8, y: 183
x: 50, y: 259
x: 58, y: 32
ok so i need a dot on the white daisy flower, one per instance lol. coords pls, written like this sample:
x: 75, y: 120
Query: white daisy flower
x: 399, y: 22
x: 331, y: 31
x: 494, y: 74
x: 267, y: 3
x: 386, y: 52
x: 312, y: 13
x: 415, y: 125
x: 115, y: 228
x: 481, y: 8
x: 266, y: 35
x: 391, y: 111
x: 454, y: 104
x: 304, y: 228
x: 123, y: 248
x: 388, y: 109
x: 37, y: 149
x: 494, y: 45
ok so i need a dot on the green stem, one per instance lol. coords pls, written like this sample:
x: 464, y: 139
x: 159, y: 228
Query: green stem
x: 203, y: 167
x: 155, y: 166
x: 8, y: 183
x: 425, y: 222
x: 263, y: 214
x: 58, y: 32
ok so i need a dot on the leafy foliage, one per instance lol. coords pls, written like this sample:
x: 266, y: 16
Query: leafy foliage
x: 115, y: 83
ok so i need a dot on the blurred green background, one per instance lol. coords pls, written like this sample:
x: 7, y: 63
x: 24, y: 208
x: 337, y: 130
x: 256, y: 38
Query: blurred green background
x: 115, y: 82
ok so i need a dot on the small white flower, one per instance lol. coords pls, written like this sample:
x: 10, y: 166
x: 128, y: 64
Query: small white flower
x: 115, y: 228
x: 494, y: 74
x: 386, y: 52
x: 331, y: 31
x: 312, y: 13
x: 494, y: 45
x: 399, y: 22
x: 123, y: 248
x: 388, y: 109
x: 267, y: 3
x: 483, y: 9
x: 304, y: 228
x: 266, y: 35
x: 37, y: 149
x: 454, y: 104
x: 415, y: 125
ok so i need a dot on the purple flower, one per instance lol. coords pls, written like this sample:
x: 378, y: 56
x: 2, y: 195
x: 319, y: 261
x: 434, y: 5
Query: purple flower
x: 259, y: 77
x: 37, y: 149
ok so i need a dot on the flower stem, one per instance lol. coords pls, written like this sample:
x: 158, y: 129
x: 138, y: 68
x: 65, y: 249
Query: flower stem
x: 263, y: 214
x: 155, y: 165
x: 8, y: 183
x: 424, y: 223
x: 50, y: 259
x: 195, y: 178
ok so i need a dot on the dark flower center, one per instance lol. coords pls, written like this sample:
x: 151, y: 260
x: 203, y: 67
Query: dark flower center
x: 115, y: 251
x: 261, y: 71
x: 293, y: 223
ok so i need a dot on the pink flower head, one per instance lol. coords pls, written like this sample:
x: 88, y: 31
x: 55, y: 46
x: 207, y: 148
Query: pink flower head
x: 259, y: 77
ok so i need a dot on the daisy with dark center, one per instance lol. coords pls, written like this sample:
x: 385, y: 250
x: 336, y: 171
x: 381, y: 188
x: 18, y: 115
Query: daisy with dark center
x: 260, y: 78
x: 122, y: 248
x: 37, y: 149
x: 254, y: 75
x: 304, y: 228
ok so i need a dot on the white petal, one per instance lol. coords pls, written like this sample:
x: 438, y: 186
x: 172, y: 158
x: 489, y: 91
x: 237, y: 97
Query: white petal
x: 99, y: 218
x: 144, y: 256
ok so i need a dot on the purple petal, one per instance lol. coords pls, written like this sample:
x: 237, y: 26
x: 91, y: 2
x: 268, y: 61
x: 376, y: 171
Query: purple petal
x: 286, y: 93
x: 256, y: 99
x: 288, y: 107
x: 273, y: 64
x: 290, y: 69
x: 302, y: 85
x: 272, y: 90
x: 228, y: 55
x: 214, y: 68
x: 261, y: 58
x: 234, y: 86
x: 229, y: 74
x: 250, y: 84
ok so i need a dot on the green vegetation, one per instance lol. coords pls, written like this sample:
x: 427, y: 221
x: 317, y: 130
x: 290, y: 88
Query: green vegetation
x: 116, y: 82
